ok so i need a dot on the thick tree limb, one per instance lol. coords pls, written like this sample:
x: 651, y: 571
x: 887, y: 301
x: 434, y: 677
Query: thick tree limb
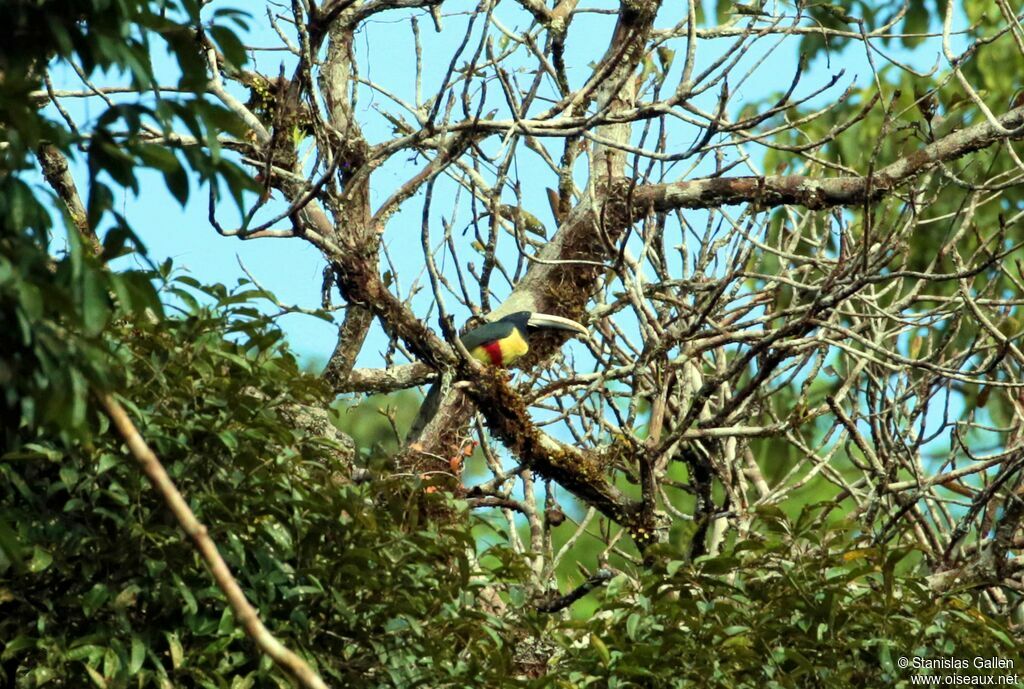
x: 566, y: 262
x: 564, y: 273
x: 599, y: 578
x: 55, y: 170
x: 351, y: 335
x: 575, y: 470
x: 817, y: 193
x: 560, y: 282
x: 380, y: 379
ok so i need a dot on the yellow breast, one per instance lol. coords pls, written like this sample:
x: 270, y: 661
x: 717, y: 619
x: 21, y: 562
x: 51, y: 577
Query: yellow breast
x: 513, y: 347
x: 501, y: 352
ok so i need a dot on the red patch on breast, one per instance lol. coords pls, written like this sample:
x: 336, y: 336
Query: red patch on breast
x: 493, y: 350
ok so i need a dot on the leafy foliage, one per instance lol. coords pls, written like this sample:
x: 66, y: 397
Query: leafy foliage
x: 915, y: 110
x: 102, y: 35
x: 804, y: 607
x: 56, y: 308
x: 99, y: 586
x: 374, y: 594
x: 98, y: 583
x: 51, y: 351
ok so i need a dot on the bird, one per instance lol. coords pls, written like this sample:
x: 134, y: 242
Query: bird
x: 498, y: 343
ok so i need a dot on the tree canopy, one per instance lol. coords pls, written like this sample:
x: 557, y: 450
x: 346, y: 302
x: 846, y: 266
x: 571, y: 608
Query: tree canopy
x: 788, y: 453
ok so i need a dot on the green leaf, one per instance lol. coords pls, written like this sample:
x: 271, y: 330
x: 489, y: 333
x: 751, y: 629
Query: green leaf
x: 916, y: 22
x: 106, y: 462
x: 68, y: 476
x: 175, y: 649
x: 230, y: 45
x: 164, y: 160
x: 602, y: 650
x: 615, y: 585
x: 138, y: 655
x: 632, y: 623
x: 42, y: 675
x: 722, y: 564
x: 96, y: 677
x: 227, y: 622
x: 229, y: 439
x: 723, y: 11
x: 14, y: 646
x: 41, y: 560
x: 191, y: 605
x: 10, y: 547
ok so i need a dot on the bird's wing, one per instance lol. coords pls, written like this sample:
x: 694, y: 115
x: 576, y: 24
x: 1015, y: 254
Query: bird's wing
x: 489, y: 332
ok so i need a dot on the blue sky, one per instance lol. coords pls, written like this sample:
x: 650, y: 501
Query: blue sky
x: 292, y: 269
